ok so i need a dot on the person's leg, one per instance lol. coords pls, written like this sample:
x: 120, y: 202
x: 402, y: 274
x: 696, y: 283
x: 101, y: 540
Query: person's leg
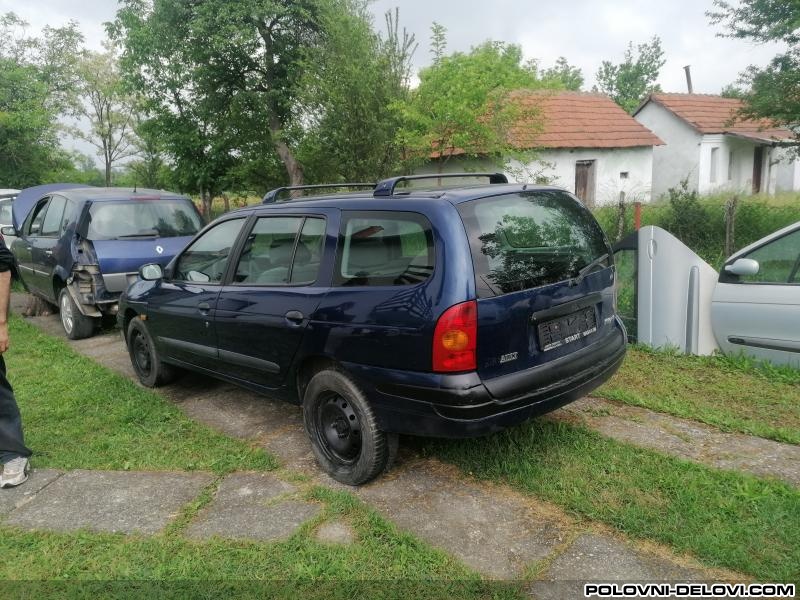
x: 12, y: 440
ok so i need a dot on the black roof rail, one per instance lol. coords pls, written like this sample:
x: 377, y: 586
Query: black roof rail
x: 386, y: 187
x: 271, y: 197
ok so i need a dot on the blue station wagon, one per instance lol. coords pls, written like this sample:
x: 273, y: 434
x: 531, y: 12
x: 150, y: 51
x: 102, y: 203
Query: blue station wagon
x: 80, y: 248
x: 449, y: 312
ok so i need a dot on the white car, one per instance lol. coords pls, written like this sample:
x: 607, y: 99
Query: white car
x: 6, y: 200
x: 755, y: 307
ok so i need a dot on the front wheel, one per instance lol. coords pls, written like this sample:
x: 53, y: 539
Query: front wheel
x: 144, y: 356
x: 76, y: 325
x: 343, y: 429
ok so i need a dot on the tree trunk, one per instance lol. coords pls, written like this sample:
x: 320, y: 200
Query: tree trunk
x: 293, y: 166
x: 108, y: 174
x: 227, y: 202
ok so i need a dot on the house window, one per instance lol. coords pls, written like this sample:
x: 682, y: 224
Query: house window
x: 623, y: 174
x: 730, y: 166
x: 714, y: 160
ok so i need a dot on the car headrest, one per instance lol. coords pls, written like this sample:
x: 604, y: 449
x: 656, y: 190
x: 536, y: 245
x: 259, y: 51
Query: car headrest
x: 366, y: 254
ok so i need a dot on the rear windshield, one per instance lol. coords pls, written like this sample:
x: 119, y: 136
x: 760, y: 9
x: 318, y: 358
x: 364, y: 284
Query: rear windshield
x: 142, y: 219
x: 525, y: 240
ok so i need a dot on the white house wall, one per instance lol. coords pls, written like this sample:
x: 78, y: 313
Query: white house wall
x: 558, y: 166
x: 787, y: 171
x: 678, y: 158
x: 740, y: 177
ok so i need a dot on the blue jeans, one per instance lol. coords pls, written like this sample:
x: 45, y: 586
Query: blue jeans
x: 12, y: 442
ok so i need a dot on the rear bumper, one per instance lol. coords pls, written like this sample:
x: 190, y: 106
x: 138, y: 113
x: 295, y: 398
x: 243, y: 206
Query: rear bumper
x: 463, y: 405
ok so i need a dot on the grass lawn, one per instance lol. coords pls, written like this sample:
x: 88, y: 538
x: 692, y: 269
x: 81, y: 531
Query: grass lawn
x: 80, y: 415
x: 730, y: 393
x: 726, y: 519
x: 382, y: 562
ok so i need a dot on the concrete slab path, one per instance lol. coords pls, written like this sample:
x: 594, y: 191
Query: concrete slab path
x: 494, y: 529
x: 686, y: 439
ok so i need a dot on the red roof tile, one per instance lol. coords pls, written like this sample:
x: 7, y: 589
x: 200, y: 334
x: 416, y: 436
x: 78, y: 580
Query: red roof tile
x: 715, y: 114
x: 576, y: 120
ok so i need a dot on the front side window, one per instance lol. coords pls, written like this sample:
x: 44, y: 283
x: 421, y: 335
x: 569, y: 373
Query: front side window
x: 778, y: 261
x: 53, y: 220
x: 206, y: 259
x: 526, y: 240
x: 384, y: 248
x: 176, y: 217
x: 37, y: 217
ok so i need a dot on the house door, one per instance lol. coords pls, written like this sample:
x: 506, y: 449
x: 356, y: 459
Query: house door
x: 758, y: 161
x: 584, y: 181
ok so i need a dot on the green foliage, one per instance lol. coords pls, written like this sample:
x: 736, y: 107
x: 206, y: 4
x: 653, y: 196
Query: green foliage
x: 36, y: 85
x: 368, y: 74
x: 107, y: 107
x: 628, y: 82
x: 571, y: 78
x: 461, y: 103
x: 699, y: 222
x: 774, y: 90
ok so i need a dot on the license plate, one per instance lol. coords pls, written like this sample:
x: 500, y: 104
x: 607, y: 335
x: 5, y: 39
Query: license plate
x: 567, y: 329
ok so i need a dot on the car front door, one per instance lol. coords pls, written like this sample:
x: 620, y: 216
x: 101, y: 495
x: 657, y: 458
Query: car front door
x: 45, y: 247
x: 23, y: 247
x: 758, y: 311
x: 277, y: 284
x: 181, y: 307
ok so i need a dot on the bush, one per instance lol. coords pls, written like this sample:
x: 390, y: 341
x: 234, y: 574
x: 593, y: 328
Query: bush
x: 699, y: 222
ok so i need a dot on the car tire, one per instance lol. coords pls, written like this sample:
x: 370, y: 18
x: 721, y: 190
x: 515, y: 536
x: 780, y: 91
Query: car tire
x: 147, y: 364
x: 76, y: 325
x: 344, y: 432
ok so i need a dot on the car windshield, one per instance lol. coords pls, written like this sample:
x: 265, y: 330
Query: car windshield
x: 525, y: 240
x: 175, y: 217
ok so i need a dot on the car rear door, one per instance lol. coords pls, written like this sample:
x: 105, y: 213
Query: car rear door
x: 181, y: 308
x: 759, y: 314
x: 543, y: 280
x: 275, y: 287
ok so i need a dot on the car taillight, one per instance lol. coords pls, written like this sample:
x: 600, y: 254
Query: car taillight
x: 455, y: 339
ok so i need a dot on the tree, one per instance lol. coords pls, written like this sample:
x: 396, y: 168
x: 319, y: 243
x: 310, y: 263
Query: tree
x: 356, y: 80
x: 108, y: 107
x: 36, y: 78
x: 772, y: 92
x: 438, y: 41
x: 628, y: 82
x: 562, y: 72
x: 189, y: 121
x: 461, y: 107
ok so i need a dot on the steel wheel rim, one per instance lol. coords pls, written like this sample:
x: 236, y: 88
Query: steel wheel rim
x: 338, y: 429
x: 67, y: 320
x: 141, y: 353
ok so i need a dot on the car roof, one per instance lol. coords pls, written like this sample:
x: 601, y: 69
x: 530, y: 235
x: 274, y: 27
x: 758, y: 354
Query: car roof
x: 97, y: 194
x: 420, y: 197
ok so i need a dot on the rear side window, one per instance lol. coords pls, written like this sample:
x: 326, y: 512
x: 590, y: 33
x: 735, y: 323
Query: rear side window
x: 384, y: 248
x: 529, y: 239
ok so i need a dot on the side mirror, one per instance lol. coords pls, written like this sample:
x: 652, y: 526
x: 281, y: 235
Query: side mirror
x: 151, y: 272
x: 8, y: 230
x: 743, y: 266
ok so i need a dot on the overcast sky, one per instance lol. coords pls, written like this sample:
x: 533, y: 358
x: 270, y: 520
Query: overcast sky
x: 584, y: 31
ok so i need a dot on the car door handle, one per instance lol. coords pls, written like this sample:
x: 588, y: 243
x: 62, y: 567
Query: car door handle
x: 294, y: 317
x: 204, y: 307
x: 48, y: 253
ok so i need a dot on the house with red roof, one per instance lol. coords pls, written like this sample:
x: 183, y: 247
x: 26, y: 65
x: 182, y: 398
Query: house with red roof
x: 583, y: 142
x: 710, y: 146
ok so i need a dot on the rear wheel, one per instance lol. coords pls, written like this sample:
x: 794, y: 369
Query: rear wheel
x: 144, y: 357
x: 343, y: 429
x: 76, y: 324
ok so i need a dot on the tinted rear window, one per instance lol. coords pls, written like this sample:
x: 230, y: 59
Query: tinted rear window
x: 525, y: 240
x: 142, y: 218
x: 384, y: 248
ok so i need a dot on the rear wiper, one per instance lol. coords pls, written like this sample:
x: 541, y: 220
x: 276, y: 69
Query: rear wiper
x: 585, y: 270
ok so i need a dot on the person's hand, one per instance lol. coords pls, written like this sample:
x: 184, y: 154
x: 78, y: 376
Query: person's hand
x: 3, y: 337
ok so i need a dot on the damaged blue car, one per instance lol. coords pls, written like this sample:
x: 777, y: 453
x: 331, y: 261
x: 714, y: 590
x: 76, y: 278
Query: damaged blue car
x: 79, y: 247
